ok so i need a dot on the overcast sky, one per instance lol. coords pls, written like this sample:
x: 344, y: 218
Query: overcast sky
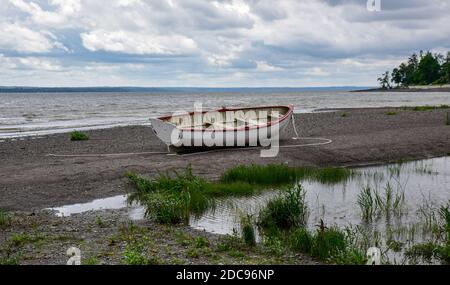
x: 219, y: 43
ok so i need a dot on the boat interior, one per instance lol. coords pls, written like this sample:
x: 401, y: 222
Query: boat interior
x: 228, y: 119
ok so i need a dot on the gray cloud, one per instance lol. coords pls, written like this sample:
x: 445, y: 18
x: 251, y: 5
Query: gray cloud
x: 223, y: 43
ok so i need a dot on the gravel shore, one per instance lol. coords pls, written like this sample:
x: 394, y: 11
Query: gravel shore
x: 31, y: 180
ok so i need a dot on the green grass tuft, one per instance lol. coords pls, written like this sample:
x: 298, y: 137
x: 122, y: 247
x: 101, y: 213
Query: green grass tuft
x: 391, y: 113
x: 427, y: 107
x: 91, y: 261
x: 279, y: 174
x: 78, y: 136
x: 328, y: 243
x: 171, y: 199
x: 248, y: 230
x: 373, y: 203
x: 300, y: 240
x: 174, y: 198
x: 286, y: 211
x: 366, y: 203
x: 5, y: 219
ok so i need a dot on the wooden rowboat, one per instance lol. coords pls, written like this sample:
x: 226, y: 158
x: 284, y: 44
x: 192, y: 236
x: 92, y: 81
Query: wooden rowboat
x: 224, y: 127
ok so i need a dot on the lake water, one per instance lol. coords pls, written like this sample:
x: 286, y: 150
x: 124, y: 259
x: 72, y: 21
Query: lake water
x: 24, y: 114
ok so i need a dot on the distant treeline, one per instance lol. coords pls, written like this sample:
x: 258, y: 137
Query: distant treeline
x: 194, y: 90
x: 424, y: 68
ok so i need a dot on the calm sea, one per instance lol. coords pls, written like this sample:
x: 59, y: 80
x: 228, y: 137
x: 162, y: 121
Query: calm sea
x: 24, y: 114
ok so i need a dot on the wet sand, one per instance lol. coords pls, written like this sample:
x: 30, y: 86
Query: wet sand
x: 31, y: 180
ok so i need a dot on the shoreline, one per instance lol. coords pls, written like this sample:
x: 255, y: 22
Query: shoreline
x: 31, y: 180
x: 422, y: 89
x: 53, y: 132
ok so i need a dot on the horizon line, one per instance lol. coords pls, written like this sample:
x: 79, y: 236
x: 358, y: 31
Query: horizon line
x: 179, y: 87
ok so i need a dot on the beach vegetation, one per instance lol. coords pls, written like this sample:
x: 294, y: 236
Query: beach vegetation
x: 279, y: 174
x: 366, y: 203
x: 438, y: 248
x: 231, y: 242
x: 373, y: 203
x: 391, y: 113
x: 300, y: 240
x: 5, y: 219
x: 344, y: 115
x: 174, y: 198
x: 170, y: 199
x: 134, y: 255
x: 99, y: 221
x: 248, y: 232
x: 91, y: 261
x: 19, y: 239
x: 201, y: 242
x: 447, y: 119
x: 286, y: 211
x: 9, y: 260
x: 78, y: 136
x: 327, y: 243
x: 427, y: 107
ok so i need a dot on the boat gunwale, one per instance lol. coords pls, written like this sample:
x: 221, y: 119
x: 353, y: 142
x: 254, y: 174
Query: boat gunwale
x: 245, y: 128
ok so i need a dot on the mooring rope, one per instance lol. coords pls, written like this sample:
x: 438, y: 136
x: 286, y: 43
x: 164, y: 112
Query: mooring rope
x: 325, y: 141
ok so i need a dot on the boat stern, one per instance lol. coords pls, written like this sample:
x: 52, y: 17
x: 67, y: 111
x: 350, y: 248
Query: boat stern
x: 166, y: 132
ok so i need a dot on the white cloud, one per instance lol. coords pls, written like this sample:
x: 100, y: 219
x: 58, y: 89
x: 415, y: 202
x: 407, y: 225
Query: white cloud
x: 135, y: 43
x: 264, y: 66
x: 29, y: 63
x: 225, y: 54
x: 65, y: 9
x: 317, y: 71
x: 23, y: 39
x: 220, y: 40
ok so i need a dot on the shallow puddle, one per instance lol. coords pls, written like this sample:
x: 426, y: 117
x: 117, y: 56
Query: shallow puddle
x: 116, y: 202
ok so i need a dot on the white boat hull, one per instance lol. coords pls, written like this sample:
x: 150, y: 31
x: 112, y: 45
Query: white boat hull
x: 263, y: 134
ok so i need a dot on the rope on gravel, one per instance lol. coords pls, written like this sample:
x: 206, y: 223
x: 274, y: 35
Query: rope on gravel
x: 325, y: 141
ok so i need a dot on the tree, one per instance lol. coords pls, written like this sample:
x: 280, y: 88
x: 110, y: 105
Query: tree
x: 428, y: 69
x: 445, y: 70
x: 421, y: 69
x: 384, y: 80
x: 397, y: 76
x: 411, y: 68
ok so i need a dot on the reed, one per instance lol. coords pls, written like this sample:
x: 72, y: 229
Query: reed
x: 171, y: 199
x: 174, y: 198
x: 366, y: 203
x: 328, y: 243
x: 248, y: 230
x: 5, y: 219
x: 286, y: 211
x: 373, y: 203
x: 279, y: 174
x: 300, y: 240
